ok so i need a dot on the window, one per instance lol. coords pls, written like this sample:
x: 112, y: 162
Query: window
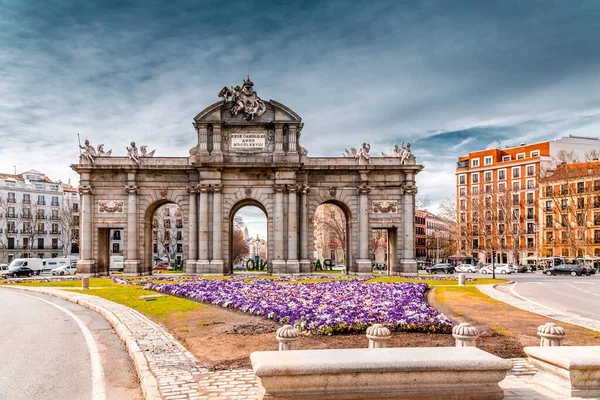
x: 535, y: 153
x: 580, y: 219
x: 55, y: 214
x: 462, y: 179
x: 26, y: 199
x: 179, y: 235
x: 40, y: 243
x: 463, y: 204
x: 462, y: 191
x: 55, y: 229
x: 516, y: 172
x: 116, y: 248
x: 40, y: 228
x: 502, y: 186
x: 117, y: 235
x: 580, y: 203
x: 55, y: 244
x: 167, y: 223
x: 487, y: 176
x: 55, y: 200
x: 564, y: 189
x: 580, y: 187
x: 501, y: 215
x: 76, y: 207
x: 501, y: 229
x: 11, y: 198
x: 530, y: 183
x: 11, y: 243
x: 549, y: 221
x: 505, y: 158
x: 516, y: 185
x: 521, y: 156
x: 475, y: 162
x: 530, y: 198
x: 463, y: 218
x: 11, y: 213
x: 531, y: 170
x: 179, y: 223
x: 548, y: 205
x: 475, y: 177
x: 487, y: 160
x: 596, y: 237
x: 596, y: 218
x: 501, y: 174
x: 596, y: 185
x: 516, y: 213
x: 564, y: 221
x: 549, y: 238
x: 515, y: 200
x: 488, y: 189
x: 475, y: 189
x: 41, y: 200
x: 180, y: 249
x: 530, y: 242
x: 41, y: 213
x: 549, y: 190
x: 530, y: 213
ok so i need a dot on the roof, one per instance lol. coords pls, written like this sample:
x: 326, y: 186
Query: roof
x: 17, y: 177
x: 574, y: 170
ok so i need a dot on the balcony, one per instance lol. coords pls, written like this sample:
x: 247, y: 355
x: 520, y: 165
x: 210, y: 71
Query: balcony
x: 11, y: 230
x: 55, y: 204
x: 27, y: 216
x: 39, y: 216
x: 41, y: 202
x: 55, y: 232
x: 27, y: 231
x: 12, y: 215
x: 41, y: 232
x: 11, y: 200
x: 55, y: 218
x: 462, y: 164
x: 26, y: 201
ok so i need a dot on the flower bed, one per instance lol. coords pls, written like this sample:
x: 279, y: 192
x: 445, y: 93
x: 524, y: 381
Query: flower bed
x: 17, y: 281
x: 342, y: 306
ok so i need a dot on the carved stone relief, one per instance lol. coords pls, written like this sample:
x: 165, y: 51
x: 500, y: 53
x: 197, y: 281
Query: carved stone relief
x: 382, y: 206
x: 110, y: 206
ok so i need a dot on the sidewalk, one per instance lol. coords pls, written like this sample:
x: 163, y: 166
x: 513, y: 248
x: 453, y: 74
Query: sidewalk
x: 496, y: 294
x: 168, y: 371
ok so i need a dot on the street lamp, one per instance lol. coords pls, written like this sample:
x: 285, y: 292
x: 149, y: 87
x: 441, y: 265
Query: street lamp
x: 536, y: 229
x: 437, y: 246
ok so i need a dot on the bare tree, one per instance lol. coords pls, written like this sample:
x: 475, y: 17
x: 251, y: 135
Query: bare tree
x: 68, y: 222
x: 379, y: 239
x: 165, y: 230
x: 240, y: 248
x: 423, y: 201
x: 330, y: 226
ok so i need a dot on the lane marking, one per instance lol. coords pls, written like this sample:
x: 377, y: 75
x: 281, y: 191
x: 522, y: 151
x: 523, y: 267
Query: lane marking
x: 581, y: 290
x: 514, y: 292
x: 98, y: 390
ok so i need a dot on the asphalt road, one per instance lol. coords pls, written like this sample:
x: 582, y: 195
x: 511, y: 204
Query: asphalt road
x: 65, y: 352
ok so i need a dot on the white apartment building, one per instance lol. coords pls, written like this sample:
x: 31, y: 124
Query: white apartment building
x: 38, y: 217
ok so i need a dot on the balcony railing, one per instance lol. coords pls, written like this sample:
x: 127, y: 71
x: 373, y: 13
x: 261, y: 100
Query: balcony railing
x: 55, y: 218
x: 11, y: 200
x: 55, y: 232
x: 11, y: 230
x: 55, y: 204
x: 41, y: 202
x: 41, y: 232
x: 11, y: 215
x: 26, y: 201
x: 39, y: 216
x: 27, y: 216
x: 27, y: 231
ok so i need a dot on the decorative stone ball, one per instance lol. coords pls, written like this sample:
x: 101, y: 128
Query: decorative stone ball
x: 464, y: 329
x: 551, y: 329
x: 379, y: 332
x: 287, y: 332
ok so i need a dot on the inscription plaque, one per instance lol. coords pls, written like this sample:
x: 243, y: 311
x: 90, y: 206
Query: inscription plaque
x: 248, y: 141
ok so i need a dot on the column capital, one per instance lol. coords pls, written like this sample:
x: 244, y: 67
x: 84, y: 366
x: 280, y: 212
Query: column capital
x: 410, y: 190
x: 202, y: 188
x: 364, y: 189
x: 132, y: 189
x: 86, y: 189
x: 278, y: 188
x: 217, y: 188
x: 192, y: 189
x: 293, y: 188
x: 305, y: 189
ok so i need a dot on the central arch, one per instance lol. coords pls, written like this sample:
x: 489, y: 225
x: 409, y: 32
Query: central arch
x: 347, y: 248
x: 237, y: 207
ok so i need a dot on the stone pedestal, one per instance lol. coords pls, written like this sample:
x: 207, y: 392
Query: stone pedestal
x: 461, y: 279
x: 293, y: 267
x: 217, y: 267
x: 279, y: 267
x: 409, y: 267
x: 203, y: 267
x: 132, y: 268
x: 86, y: 268
x: 363, y: 267
x: 190, y: 267
x: 305, y: 268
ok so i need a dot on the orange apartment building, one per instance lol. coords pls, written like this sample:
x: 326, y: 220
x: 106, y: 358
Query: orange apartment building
x: 497, y: 198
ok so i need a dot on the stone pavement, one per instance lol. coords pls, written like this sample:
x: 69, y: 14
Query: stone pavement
x: 494, y: 293
x: 178, y: 375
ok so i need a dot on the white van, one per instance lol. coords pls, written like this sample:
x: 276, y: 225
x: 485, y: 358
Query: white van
x: 50, y: 263
x: 33, y: 263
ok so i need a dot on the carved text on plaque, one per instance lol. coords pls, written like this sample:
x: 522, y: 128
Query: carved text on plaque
x: 110, y: 206
x: 385, y: 206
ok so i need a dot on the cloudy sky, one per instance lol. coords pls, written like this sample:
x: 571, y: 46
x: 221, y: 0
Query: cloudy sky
x: 448, y: 76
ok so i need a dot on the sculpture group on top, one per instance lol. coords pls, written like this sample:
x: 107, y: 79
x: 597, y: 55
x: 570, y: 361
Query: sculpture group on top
x: 244, y: 99
x: 90, y: 154
x: 403, y: 153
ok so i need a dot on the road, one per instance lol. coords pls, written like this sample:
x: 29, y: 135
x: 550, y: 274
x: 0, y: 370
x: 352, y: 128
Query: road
x: 53, y: 349
x: 576, y: 295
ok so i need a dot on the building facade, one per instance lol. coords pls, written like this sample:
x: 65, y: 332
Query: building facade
x: 497, y: 192
x: 420, y: 235
x: 38, y: 217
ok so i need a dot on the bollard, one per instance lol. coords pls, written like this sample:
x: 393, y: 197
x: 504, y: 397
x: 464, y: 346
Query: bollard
x: 551, y: 334
x: 378, y: 335
x: 465, y: 335
x: 287, y: 336
x: 85, y: 282
x: 462, y: 279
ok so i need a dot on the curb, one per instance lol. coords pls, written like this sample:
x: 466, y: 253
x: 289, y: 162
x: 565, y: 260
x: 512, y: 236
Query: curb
x: 148, y: 382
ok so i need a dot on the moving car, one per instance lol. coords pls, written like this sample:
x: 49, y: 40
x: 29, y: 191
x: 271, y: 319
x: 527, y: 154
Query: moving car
x: 14, y: 272
x: 239, y: 267
x: 441, y: 269
x: 3, y: 270
x: 518, y: 269
x: 589, y: 271
x: 466, y: 268
x: 35, y: 264
x: 160, y: 267
x: 566, y: 269
x: 500, y: 269
x: 48, y: 264
x: 64, y: 270
x: 339, y: 267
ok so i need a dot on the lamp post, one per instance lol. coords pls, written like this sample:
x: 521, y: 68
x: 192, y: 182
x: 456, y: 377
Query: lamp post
x: 437, y: 246
x: 536, y: 229
x: 493, y: 264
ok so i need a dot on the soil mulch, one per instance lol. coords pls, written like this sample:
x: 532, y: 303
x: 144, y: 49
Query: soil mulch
x: 223, y: 339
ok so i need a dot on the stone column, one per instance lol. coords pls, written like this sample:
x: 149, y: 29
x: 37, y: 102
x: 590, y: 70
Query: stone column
x: 465, y: 335
x: 378, y: 335
x: 278, y: 260
x: 363, y: 264
x: 86, y: 265
x: 216, y: 139
x: 216, y: 264
x: 292, y: 139
x: 279, y: 139
x: 202, y: 138
x: 203, y: 264
x: 408, y: 264
x: 551, y: 334
x: 190, y: 263
x: 287, y: 336
x: 132, y: 262
x: 304, y: 251
x: 293, y: 266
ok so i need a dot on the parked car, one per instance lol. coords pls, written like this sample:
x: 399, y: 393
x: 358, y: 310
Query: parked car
x: 566, y: 269
x: 3, y: 270
x: 338, y: 267
x: 14, y: 272
x: 466, y: 268
x: 589, y: 271
x: 239, y: 267
x: 518, y: 269
x: 160, y: 267
x: 35, y: 264
x: 64, y: 270
x: 500, y: 269
x: 441, y: 269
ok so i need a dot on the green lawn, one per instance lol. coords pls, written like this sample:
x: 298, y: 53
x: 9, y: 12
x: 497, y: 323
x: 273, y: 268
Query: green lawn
x: 94, y: 282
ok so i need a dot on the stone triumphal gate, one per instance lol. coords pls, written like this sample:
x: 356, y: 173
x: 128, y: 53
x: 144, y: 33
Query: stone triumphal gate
x: 248, y: 153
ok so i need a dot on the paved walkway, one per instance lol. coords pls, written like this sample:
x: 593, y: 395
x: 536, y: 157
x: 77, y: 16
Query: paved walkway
x: 494, y: 293
x: 176, y: 374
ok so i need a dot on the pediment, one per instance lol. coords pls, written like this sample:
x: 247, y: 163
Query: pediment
x: 221, y: 112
